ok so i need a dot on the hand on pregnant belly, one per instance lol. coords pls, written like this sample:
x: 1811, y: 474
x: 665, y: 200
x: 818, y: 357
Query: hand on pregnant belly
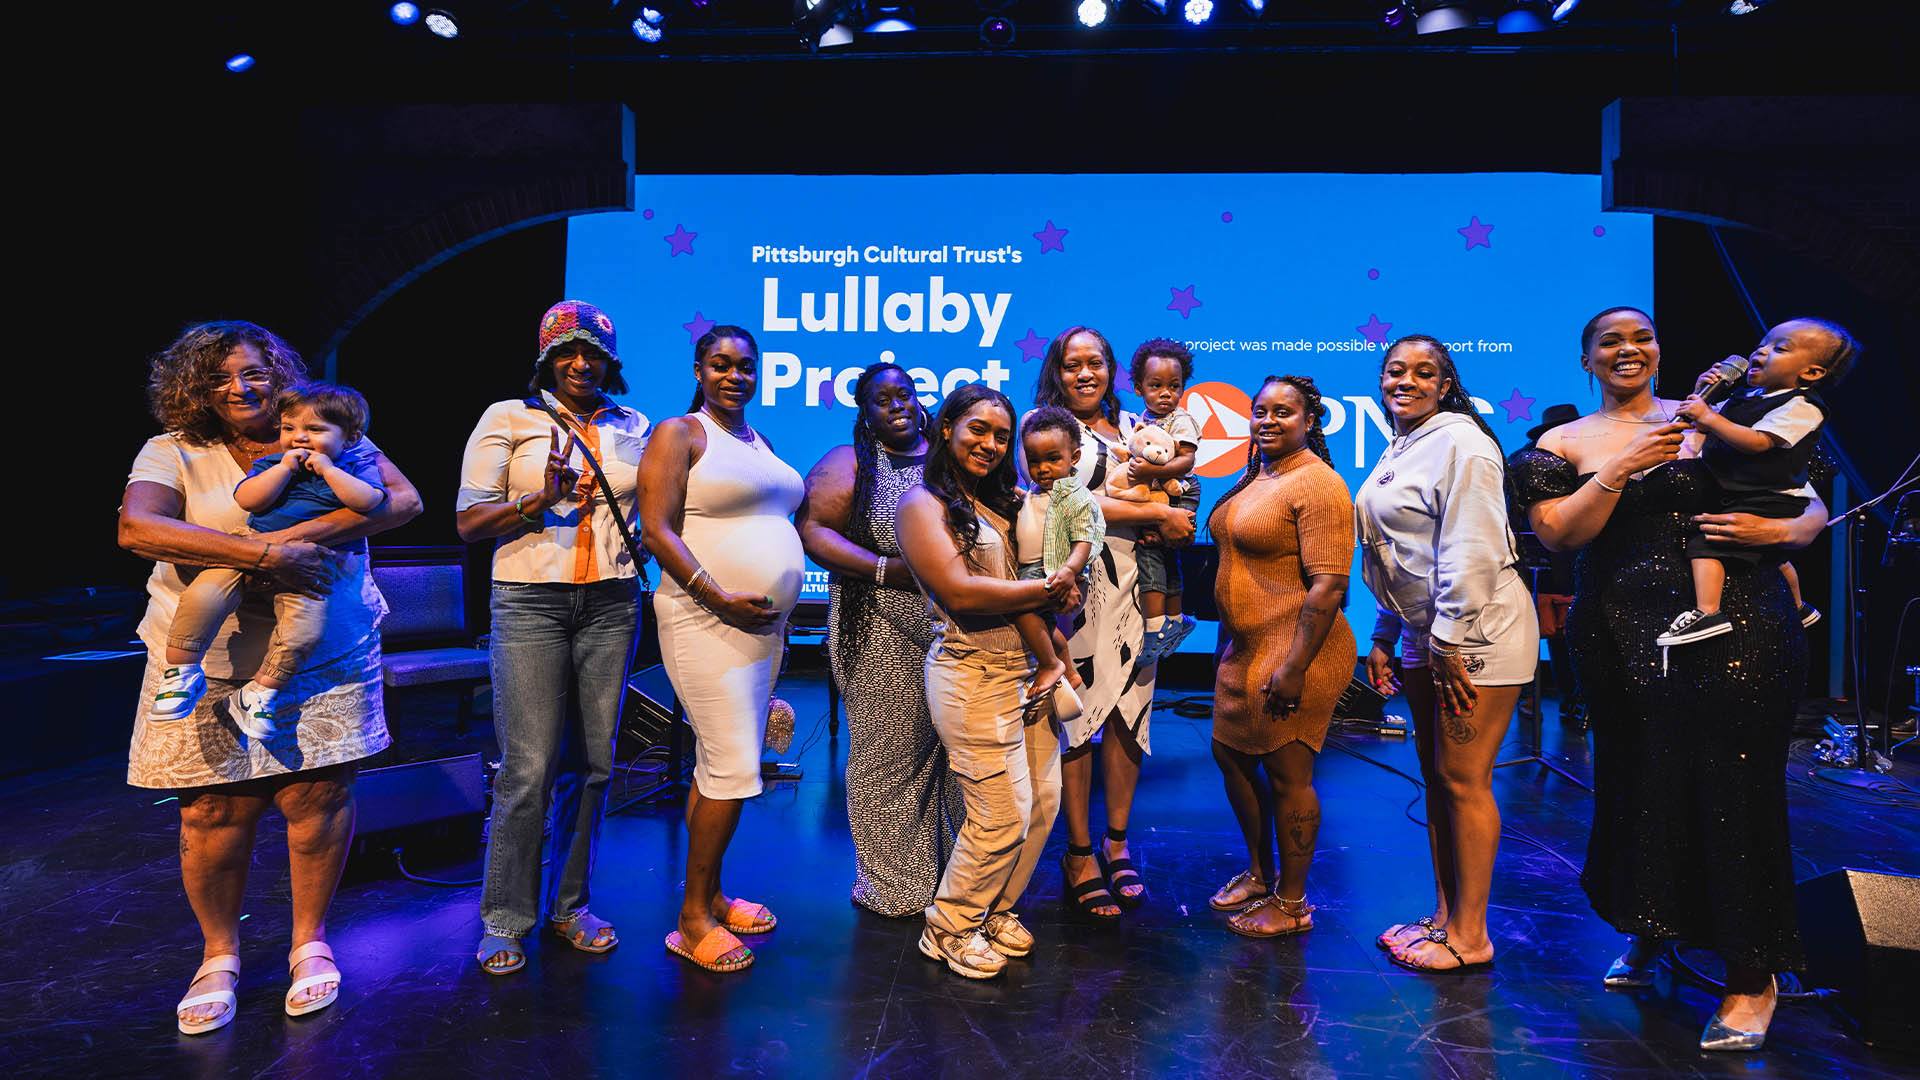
x: 746, y: 611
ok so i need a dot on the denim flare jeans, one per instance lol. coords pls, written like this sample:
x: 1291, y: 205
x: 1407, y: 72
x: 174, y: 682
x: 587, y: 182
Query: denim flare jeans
x: 549, y: 641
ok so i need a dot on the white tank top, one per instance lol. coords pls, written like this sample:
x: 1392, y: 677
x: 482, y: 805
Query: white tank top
x: 738, y: 520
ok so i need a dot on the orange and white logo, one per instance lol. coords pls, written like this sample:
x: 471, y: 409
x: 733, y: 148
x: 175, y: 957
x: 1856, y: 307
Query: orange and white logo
x: 1221, y: 410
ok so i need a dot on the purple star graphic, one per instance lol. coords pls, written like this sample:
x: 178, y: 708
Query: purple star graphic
x: 697, y: 329
x: 1475, y: 233
x: 827, y: 398
x: 1032, y: 347
x: 679, y: 241
x: 1184, y: 301
x: 1519, y: 406
x: 1050, y: 238
x: 1375, y: 330
x: 1122, y: 379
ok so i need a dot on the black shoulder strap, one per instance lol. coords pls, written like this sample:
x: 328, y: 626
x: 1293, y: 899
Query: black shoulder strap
x: 634, y: 550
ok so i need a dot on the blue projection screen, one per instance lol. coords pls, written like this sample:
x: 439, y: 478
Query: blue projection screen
x: 965, y: 278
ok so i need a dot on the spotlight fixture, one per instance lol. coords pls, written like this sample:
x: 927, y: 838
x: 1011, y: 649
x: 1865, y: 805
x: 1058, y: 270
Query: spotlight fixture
x: 404, y: 14
x: 1255, y: 8
x: 1159, y: 6
x: 888, y: 18
x: 1564, y: 8
x: 442, y: 24
x: 240, y: 62
x: 1197, y: 12
x: 1442, y: 18
x: 1745, y: 7
x: 820, y: 23
x: 1395, y: 17
x: 647, y: 26
x: 1524, y: 17
x: 997, y: 31
x: 1092, y: 12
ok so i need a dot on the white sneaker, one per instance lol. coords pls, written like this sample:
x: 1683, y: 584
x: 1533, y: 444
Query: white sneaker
x: 967, y: 955
x: 180, y: 690
x: 250, y: 708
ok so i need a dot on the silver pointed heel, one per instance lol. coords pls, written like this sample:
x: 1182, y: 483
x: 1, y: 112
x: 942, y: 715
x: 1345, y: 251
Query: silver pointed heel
x: 1622, y: 975
x: 1722, y: 1036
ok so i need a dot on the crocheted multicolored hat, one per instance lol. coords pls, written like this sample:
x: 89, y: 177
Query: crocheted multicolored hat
x: 574, y: 320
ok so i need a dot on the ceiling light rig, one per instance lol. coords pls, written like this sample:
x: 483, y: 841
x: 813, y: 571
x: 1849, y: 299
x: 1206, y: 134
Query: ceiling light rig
x: 442, y: 24
x: 1091, y: 13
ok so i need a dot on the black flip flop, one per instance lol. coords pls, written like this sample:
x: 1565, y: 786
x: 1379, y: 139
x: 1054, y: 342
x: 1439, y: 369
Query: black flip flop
x: 1438, y: 936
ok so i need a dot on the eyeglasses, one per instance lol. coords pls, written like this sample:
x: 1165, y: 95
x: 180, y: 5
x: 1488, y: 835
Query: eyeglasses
x: 253, y: 378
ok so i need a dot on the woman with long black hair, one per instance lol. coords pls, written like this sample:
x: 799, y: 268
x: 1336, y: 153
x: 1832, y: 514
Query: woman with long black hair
x: 1443, y: 566
x: 956, y: 530
x: 1285, y: 533
x: 902, y: 802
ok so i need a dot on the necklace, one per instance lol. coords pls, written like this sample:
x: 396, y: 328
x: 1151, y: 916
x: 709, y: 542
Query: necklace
x: 745, y: 434
x: 1663, y: 418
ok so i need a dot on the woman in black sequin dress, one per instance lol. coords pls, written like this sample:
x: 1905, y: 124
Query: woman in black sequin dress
x: 1689, y: 839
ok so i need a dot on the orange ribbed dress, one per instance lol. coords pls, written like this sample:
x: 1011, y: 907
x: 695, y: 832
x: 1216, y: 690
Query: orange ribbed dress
x: 1272, y: 536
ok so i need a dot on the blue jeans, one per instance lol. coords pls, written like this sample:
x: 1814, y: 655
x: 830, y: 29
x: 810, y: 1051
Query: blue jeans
x: 549, y: 639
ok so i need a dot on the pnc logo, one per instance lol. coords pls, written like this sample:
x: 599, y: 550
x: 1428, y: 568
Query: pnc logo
x: 1221, y: 410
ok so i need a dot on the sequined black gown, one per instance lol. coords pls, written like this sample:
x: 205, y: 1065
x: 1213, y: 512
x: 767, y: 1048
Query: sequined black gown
x: 1689, y: 835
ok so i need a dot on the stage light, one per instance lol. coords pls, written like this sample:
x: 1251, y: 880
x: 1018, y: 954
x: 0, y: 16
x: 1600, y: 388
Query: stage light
x: 1524, y: 17
x: 1092, y: 12
x: 442, y: 24
x: 887, y: 18
x: 1255, y: 8
x: 1745, y: 7
x: 647, y: 27
x: 997, y: 31
x: 1395, y: 16
x: 1443, y: 18
x: 1159, y: 6
x: 1564, y: 8
x: 819, y: 23
x: 1197, y: 11
x: 240, y: 62
x: 404, y: 14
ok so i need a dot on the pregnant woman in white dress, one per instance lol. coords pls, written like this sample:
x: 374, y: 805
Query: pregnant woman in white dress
x: 716, y: 510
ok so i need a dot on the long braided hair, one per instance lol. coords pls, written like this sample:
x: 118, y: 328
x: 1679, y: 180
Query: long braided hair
x: 705, y: 345
x: 1456, y: 399
x: 942, y: 477
x: 857, y: 596
x: 1316, y: 433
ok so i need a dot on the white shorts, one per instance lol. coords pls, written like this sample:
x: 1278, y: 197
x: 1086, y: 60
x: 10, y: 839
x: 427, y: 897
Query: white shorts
x: 1504, y: 649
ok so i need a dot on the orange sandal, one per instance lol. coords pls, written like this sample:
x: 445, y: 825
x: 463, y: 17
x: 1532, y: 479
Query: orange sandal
x: 718, y: 943
x: 747, y: 917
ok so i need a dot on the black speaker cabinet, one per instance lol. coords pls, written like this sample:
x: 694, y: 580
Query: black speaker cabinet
x: 1862, y: 935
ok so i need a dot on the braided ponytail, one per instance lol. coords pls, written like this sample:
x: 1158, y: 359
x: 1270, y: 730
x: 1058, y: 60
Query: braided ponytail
x: 857, y: 596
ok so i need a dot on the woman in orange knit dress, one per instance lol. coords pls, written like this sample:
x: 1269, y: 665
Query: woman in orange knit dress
x: 1285, y: 535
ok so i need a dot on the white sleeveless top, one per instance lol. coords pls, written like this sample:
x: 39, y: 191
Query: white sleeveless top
x: 738, y: 521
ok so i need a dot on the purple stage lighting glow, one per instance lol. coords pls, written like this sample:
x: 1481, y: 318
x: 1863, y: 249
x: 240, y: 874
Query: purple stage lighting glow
x: 1395, y: 16
x: 404, y: 14
x: 997, y: 31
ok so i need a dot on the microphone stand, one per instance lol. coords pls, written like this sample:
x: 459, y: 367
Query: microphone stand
x: 1868, y: 769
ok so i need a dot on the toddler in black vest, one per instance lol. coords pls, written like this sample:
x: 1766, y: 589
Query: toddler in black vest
x: 1758, y: 443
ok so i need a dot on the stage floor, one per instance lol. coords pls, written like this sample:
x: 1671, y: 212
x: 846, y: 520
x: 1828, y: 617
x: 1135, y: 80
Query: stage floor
x: 98, y: 944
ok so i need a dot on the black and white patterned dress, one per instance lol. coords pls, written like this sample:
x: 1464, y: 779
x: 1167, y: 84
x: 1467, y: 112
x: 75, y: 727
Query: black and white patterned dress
x: 903, y: 806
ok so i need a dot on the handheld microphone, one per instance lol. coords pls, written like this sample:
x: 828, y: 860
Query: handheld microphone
x: 1722, y: 379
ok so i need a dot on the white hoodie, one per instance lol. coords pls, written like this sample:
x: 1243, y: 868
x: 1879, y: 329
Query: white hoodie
x: 1432, y: 522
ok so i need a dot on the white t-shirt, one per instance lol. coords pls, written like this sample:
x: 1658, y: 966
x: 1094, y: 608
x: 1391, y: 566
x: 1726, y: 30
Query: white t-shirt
x: 205, y: 476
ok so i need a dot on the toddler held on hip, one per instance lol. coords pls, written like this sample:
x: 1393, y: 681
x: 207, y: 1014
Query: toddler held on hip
x: 1161, y: 370
x: 322, y: 466
x: 1057, y: 532
x: 1757, y: 445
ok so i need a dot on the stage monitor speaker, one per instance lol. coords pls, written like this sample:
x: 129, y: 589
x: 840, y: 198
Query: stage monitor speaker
x: 402, y: 796
x: 648, y: 711
x: 1861, y: 931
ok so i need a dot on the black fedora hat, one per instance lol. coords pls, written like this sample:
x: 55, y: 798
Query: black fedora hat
x: 1552, y: 418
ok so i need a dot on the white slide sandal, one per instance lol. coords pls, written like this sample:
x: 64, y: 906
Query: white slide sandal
x: 300, y: 956
x: 229, y: 964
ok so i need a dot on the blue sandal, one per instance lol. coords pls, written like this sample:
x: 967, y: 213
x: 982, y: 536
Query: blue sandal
x: 493, y: 947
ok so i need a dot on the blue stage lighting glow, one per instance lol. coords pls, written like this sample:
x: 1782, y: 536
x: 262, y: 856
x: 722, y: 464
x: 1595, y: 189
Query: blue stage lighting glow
x: 442, y: 24
x: 646, y: 31
x: 1563, y: 9
x: 404, y: 14
x: 1092, y: 12
x: 240, y: 62
x: 1198, y: 11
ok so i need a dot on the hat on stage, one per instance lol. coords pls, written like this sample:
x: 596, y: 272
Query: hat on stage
x: 575, y: 320
x: 1552, y: 418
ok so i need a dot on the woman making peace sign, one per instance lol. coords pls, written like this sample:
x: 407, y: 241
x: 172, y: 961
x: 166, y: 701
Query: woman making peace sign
x: 564, y: 610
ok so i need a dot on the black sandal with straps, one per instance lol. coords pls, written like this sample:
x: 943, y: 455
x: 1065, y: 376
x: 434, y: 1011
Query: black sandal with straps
x: 1120, y: 873
x: 1438, y: 935
x: 1088, y: 896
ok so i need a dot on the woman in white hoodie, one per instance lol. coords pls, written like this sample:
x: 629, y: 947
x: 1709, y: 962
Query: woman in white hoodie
x: 1440, y: 558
